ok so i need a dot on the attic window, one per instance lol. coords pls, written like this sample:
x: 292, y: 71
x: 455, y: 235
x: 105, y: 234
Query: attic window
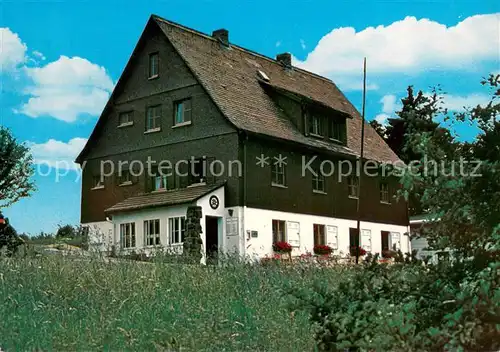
x: 263, y: 75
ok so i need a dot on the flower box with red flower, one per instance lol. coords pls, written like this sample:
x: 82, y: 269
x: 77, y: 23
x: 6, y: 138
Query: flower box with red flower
x: 387, y: 254
x: 322, y: 250
x: 362, y: 251
x: 282, y: 247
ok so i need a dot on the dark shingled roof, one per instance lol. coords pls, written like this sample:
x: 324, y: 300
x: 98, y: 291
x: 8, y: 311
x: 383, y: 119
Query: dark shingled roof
x: 230, y: 77
x: 164, y: 198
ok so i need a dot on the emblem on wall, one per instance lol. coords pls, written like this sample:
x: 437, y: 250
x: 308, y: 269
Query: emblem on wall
x: 214, y: 202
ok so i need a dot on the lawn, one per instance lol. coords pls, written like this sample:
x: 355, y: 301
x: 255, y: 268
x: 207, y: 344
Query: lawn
x: 53, y: 303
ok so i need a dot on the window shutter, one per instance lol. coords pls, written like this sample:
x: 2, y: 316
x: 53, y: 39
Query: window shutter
x: 395, y: 240
x: 366, y: 240
x: 293, y: 233
x: 332, y: 236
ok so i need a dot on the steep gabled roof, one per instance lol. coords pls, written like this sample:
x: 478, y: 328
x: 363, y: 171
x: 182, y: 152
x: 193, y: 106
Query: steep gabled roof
x: 230, y: 77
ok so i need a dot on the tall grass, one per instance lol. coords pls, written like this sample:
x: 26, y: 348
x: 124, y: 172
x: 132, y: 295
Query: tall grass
x: 53, y: 303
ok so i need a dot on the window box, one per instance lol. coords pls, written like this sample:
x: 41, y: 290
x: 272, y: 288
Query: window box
x: 323, y: 250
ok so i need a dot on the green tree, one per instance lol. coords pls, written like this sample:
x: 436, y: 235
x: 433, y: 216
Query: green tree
x: 66, y: 231
x: 16, y: 169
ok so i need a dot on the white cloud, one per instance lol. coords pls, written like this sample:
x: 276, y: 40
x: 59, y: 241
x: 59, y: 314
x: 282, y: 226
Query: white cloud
x: 66, y: 89
x: 457, y: 103
x: 382, y: 118
x: 278, y: 44
x: 303, y: 44
x: 409, y: 45
x: 389, y: 106
x: 388, y: 103
x: 12, y: 50
x: 57, y: 154
x: 38, y: 55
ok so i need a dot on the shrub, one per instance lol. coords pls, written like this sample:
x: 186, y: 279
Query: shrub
x: 322, y: 250
x: 282, y: 247
x: 362, y: 251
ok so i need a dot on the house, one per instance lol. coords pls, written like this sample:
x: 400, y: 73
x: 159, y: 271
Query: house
x: 420, y: 244
x: 262, y: 146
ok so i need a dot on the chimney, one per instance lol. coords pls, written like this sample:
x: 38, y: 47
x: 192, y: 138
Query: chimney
x: 285, y: 59
x: 222, y: 35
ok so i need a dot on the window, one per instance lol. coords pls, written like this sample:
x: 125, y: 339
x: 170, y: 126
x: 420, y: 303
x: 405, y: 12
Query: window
x: 384, y: 192
x: 153, y: 116
x: 177, y: 229
x: 337, y: 130
x: 152, y: 232
x: 153, y: 65
x: 319, y: 235
x: 125, y: 119
x: 279, y: 232
x: 197, y: 171
x: 159, y: 181
x: 182, y: 112
x: 127, y: 235
x: 315, y: 125
x: 124, y: 177
x: 97, y: 181
x: 278, y: 174
x: 318, y: 181
x: 352, y: 185
x: 385, y: 240
x: 353, y: 237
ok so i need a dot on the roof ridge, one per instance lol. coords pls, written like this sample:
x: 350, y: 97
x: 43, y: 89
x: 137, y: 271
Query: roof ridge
x: 249, y: 51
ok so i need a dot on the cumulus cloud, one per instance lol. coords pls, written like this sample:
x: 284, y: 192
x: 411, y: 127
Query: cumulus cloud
x: 57, y: 154
x: 12, y: 50
x: 457, y: 103
x: 389, y: 106
x: 408, y: 45
x: 67, y: 88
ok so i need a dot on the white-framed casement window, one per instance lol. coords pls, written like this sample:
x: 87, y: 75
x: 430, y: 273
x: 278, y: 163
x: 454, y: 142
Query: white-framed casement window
x: 318, y: 181
x: 97, y: 182
x: 152, y: 232
x: 366, y: 240
x: 154, y: 60
x: 315, y: 127
x: 384, y: 193
x: 278, y: 174
x: 124, y: 177
x: 153, y: 116
x: 353, y: 186
x: 125, y: 119
x: 159, y: 182
x: 279, y: 231
x: 182, y: 112
x: 127, y: 235
x: 177, y: 230
x: 319, y: 235
x: 332, y: 236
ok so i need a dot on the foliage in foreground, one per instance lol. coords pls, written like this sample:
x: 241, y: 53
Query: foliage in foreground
x: 52, y: 303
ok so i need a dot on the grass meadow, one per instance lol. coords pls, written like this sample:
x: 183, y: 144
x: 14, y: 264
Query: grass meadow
x: 53, y: 303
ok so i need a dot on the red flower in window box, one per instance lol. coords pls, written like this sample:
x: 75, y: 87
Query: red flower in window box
x: 322, y: 250
x: 362, y: 251
x: 387, y: 254
x: 282, y: 247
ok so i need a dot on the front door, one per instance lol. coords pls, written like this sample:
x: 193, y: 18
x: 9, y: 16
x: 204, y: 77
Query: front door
x: 212, y: 238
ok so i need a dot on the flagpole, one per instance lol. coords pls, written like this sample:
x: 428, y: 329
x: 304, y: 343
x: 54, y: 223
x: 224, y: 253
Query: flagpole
x: 358, y: 207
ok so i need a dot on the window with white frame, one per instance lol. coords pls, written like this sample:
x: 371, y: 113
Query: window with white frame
x: 279, y: 232
x: 153, y: 116
x: 395, y: 240
x: 366, y: 240
x: 318, y: 180
x: 352, y: 186
x: 127, y: 235
x: 152, y: 232
x: 125, y: 118
x: 278, y: 171
x: 384, y: 192
x: 182, y: 112
x: 315, y: 127
x: 153, y: 65
x: 319, y: 235
x: 177, y: 230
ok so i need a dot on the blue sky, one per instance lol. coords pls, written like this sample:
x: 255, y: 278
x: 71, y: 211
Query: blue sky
x: 60, y: 61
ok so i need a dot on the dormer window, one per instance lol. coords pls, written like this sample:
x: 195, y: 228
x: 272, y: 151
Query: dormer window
x: 337, y: 130
x: 153, y: 65
x: 315, y: 127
